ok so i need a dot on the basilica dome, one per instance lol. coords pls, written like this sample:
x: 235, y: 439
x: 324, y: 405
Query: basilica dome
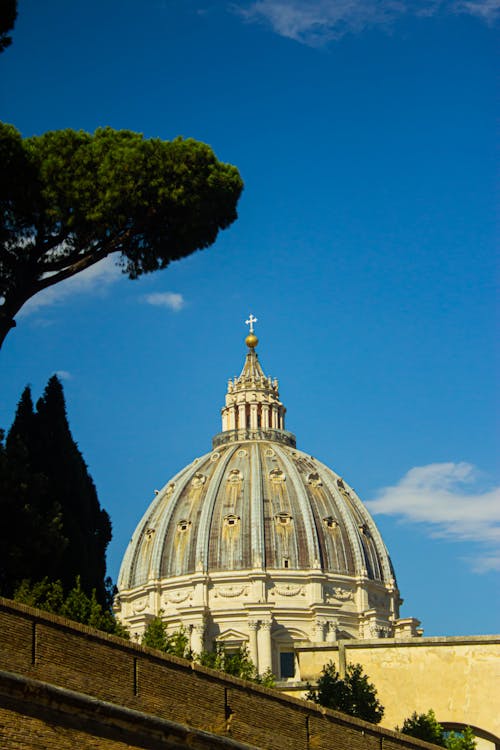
x: 257, y: 543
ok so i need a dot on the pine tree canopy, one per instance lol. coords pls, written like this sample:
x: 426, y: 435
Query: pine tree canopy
x: 68, y: 199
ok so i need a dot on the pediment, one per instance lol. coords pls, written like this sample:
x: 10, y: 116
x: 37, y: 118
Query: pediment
x: 230, y: 635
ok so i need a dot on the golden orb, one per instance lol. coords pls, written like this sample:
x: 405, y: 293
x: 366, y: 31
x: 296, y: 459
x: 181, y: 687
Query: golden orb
x: 251, y: 341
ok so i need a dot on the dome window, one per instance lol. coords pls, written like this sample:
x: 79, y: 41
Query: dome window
x: 231, y: 520
x: 277, y: 476
x: 284, y: 519
x: 183, y: 525
x: 235, y: 476
x: 330, y: 522
x: 198, y: 480
x: 364, y: 529
x: 314, y: 480
x: 149, y: 534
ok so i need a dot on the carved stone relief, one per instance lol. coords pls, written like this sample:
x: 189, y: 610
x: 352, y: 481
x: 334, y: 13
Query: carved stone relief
x: 338, y: 594
x: 230, y: 592
x: 179, y: 596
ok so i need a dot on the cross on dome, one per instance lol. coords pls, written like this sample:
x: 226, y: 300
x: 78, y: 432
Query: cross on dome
x: 251, y: 320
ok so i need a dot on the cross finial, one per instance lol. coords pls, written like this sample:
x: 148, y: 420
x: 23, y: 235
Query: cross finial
x: 251, y: 320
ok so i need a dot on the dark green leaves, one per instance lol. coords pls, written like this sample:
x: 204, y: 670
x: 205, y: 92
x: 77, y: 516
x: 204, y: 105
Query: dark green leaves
x: 69, y: 199
x: 353, y: 694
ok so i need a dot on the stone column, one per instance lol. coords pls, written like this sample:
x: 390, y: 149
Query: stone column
x: 232, y: 418
x: 265, y: 416
x: 242, y: 423
x: 198, y: 637
x: 319, y: 630
x: 333, y: 626
x: 264, y: 646
x: 252, y: 642
x: 274, y: 415
x: 253, y: 416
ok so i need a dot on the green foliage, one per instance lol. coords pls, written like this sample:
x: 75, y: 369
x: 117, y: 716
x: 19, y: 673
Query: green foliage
x: 353, y: 694
x: 236, y: 662
x: 69, y: 199
x: 8, y: 15
x: 157, y: 636
x: 266, y: 679
x: 76, y: 605
x: 52, y: 522
x: 465, y: 740
x: 426, y: 727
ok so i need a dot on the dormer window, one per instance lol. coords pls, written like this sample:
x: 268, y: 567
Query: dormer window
x: 234, y: 476
x: 314, y: 480
x: 284, y: 519
x: 330, y: 522
x: 231, y: 520
x: 183, y: 525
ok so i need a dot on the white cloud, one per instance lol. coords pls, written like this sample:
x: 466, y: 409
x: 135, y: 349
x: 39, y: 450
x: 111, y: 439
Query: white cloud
x: 316, y: 22
x: 445, y: 498
x: 94, y: 279
x: 487, y: 10
x: 64, y: 375
x: 172, y: 300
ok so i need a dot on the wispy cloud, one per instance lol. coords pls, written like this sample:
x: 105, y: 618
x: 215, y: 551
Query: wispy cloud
x: 172, y: 300
x: 94, y: 279
x: 317, y: 22
x: 445, y: 498
x: 64, y: 375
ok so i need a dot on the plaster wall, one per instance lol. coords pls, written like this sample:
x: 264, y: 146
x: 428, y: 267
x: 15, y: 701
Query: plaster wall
x: 457, y: 677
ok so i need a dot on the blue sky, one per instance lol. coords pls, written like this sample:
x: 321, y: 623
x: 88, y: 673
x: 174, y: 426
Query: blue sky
x: 364, y: 132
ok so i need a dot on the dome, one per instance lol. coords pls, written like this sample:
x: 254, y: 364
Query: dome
x: 255, y: 504
x: 257, y: 543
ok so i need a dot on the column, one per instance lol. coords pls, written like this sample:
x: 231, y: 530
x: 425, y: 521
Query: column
x: 319, y: 630
x: 333, y: 627
x: 264, y: 646
x: 253, y: 416
x: 242, y: 422
x: 252, y: 642
x: 274, y: 415
x: 265, y: 416
x: 198, y: 637
x: 232, y: 418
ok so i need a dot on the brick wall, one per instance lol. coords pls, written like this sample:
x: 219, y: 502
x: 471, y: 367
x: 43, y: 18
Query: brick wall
x: 78, y: 688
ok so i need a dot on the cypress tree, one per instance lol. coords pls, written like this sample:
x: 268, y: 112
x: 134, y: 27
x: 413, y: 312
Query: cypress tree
x: 85, y: 524
x: 31, y: 536
x: 53, y: 525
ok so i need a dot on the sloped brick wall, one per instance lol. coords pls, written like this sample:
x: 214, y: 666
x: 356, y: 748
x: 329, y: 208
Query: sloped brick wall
x: 55, y: 654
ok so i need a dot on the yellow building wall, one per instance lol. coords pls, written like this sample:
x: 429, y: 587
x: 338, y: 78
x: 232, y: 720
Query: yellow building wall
x: 459, y: 678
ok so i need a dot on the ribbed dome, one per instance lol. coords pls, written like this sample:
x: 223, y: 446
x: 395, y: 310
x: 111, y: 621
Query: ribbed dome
x: 258, y: 543
x: 255, y: 504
